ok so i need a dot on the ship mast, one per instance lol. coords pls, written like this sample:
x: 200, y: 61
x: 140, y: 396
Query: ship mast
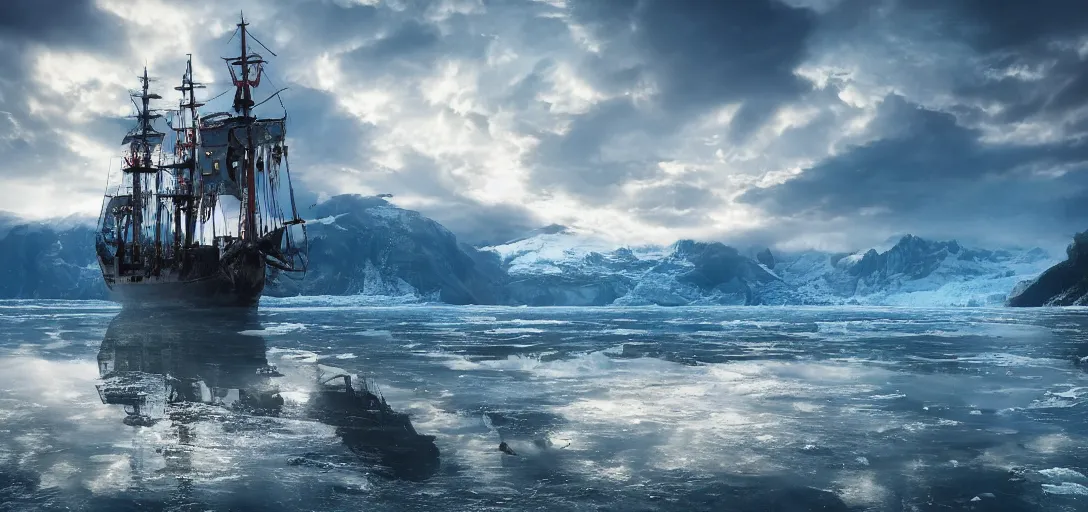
x: 139, y: 162
x: 190, y: 143
x: 243, y: 103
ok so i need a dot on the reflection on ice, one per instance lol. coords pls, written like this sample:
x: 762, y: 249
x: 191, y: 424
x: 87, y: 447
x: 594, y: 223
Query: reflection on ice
x: 369, y: 426
x: 166, y: 366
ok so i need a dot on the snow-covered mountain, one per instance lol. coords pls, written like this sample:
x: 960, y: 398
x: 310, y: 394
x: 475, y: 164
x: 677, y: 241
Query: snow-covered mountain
x: 366, y: 246
x: 43, y: 260
x: 560, y: 266
x: 7, y: 221
x: 554, y: 249
x: 369, y: 247
x: 914, y: 272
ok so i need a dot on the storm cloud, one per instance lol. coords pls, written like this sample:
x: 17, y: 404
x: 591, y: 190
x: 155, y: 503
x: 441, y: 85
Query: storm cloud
x: 791, y: 123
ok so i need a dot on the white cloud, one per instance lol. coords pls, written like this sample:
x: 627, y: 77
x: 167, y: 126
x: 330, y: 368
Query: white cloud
x: 459, y: 110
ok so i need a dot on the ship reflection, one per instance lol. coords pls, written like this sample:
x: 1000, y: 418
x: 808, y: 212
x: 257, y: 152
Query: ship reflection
x: 186, y: 369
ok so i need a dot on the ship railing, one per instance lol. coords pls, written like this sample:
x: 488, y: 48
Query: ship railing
x: 184, y: 190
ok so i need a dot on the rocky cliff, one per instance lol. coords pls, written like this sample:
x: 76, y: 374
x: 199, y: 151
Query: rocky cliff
x: 1064, y: 284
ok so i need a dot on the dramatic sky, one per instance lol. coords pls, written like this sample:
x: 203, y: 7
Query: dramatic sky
x: 795, y: 123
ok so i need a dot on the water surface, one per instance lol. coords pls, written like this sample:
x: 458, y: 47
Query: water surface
x: 751, y: 408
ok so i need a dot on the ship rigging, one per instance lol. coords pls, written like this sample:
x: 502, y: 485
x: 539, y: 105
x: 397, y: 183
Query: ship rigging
x: 207, y: 217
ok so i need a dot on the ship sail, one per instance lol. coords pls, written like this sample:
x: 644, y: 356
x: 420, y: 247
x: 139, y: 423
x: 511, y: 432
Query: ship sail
x: 210, y: 217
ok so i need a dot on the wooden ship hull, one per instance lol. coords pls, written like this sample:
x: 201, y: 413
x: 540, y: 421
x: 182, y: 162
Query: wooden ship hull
x: 237, y: 282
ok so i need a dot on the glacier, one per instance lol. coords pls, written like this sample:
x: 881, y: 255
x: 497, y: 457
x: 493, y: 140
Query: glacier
x: 914, y: 272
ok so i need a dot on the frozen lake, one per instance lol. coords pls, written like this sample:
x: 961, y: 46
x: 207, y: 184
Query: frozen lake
x: 749, y: 408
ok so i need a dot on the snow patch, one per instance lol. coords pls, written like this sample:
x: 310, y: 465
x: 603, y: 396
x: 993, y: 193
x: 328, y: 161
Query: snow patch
x: 625, y: 332
x: 1062, y: 474
x: 326, y: 220
x: 340, y: 301
x: 290, y: 354
x: 514, y: 330
x: 1066, y: 488
x: 547, y: 253
x: 274, y: 329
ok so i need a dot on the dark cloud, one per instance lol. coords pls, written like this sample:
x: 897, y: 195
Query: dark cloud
x: 657, y: 72
x: 697, y: 55
x: 705, y: 53
x: 708, y: 52
x: 674, y: 204
x: 402, y: 38
x: 676, y: 195
x: 987, y: 69
x: 480, y: 224
x: 576, y: 163
x: 411, y: 40
x: 324, y: 23
x: 987, y: 26
x: 1008, y: 25
x: 66, y: 22
x: 539, y: 31
x: 523, y: 93
x: 932, y: 170
x: 331, y: 135
x: 410, y: 37
x: 1056, y: 84
x: 444, y: 200
x: 1026, y: 57
x: 30, y: 143
x: 813, y: 138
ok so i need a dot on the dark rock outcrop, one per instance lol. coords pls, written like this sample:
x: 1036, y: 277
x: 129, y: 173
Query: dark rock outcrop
x: 1064, y: 284
x: 765, y: 257
x: 716, y: 266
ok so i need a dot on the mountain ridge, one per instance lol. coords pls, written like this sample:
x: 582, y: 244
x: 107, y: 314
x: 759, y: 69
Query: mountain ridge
x: 362, y: 245
x: 914, y: 271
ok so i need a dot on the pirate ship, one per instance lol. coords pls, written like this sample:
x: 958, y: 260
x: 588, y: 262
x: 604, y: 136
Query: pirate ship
x: 205, y: 217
